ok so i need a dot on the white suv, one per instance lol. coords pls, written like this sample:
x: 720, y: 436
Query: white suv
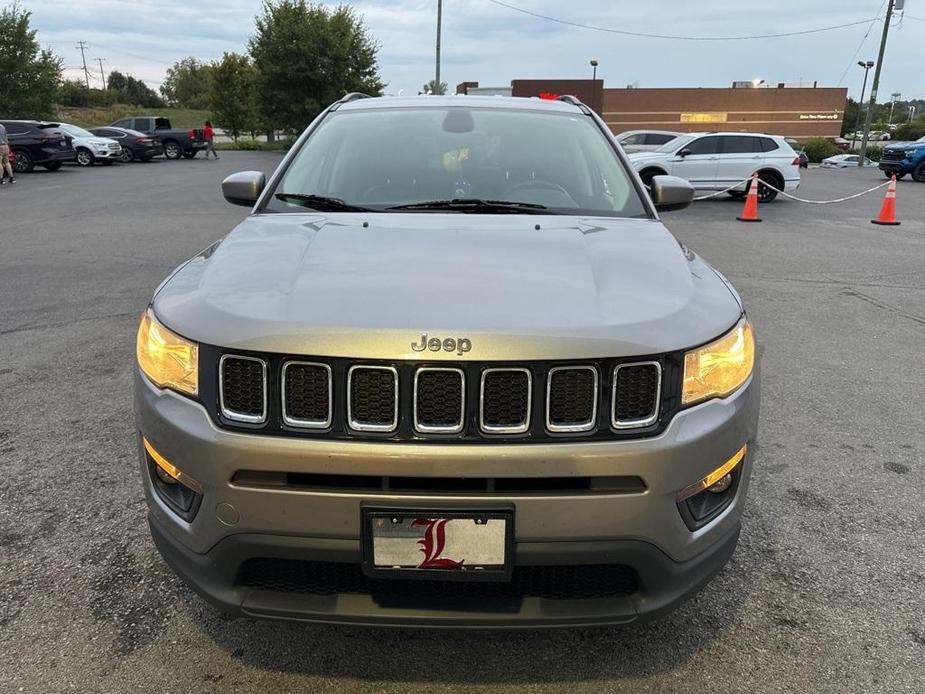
x: 715, y: 161
x: 92, y: 148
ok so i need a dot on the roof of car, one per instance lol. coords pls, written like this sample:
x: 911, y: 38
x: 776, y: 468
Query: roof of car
x: 733, y: 132
x: 509, y: 102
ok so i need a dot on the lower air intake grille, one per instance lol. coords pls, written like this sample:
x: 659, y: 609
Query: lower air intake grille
x: 547, y: 582
x: 505, y: 400
x: 373, y: 398
x: 243, y: 388
x: 307, y: 394
x: 636, y: 394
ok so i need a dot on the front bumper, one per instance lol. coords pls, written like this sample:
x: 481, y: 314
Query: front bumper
x: 106, y: 154
x: 642, y: 530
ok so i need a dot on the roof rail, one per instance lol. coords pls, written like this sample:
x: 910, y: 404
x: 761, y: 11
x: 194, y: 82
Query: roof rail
x: 347, y: 98
x: 569, y: 99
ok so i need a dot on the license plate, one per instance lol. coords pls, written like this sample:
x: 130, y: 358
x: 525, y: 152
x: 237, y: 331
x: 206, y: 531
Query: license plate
x: 438, y: 543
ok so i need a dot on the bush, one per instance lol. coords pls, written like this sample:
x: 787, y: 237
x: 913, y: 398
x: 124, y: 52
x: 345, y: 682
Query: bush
x: 874, y: 152
x: 248, y: 144
x: 818, y: 148
x: 910, y: 131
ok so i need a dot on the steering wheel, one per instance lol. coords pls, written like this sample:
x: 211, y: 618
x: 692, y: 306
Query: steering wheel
x: 536, y: 184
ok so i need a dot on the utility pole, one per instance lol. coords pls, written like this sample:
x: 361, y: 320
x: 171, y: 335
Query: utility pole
x: 82, y: 46
x: 439, y: 22
x: 102, y: 74
x: 873, y: 89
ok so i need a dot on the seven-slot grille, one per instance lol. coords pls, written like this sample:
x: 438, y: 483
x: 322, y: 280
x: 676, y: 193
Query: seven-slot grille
x: 372, y: 398
x: 466, y: 400
x: 243, y: 388
x: 636, y: 391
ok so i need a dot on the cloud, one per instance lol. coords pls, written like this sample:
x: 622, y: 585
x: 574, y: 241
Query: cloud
x: 491, y: 44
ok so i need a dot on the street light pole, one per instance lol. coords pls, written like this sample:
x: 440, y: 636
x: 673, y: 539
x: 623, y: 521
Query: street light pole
x: 873, y: 89
x: 857, y: 126
x: 439, y: 23
x: 593, y: 70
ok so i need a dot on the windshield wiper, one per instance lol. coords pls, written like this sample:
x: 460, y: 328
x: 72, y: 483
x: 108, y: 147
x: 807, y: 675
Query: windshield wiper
x: 476, y: 205
x: 321, y: 203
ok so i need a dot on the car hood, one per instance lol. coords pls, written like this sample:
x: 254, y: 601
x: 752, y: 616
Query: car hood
x: 370, y: 285
x: 645, y: 157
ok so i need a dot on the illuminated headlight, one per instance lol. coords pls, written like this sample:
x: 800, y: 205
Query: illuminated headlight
x: 721, y: 367
x: 167, y: 359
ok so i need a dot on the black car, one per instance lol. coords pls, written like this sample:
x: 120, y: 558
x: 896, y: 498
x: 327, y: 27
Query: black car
x: 135, y: 145
x: 177, y: 141
x: 38, y: 143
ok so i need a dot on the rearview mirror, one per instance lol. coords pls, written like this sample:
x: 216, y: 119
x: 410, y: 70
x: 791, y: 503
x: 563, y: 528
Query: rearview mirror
x: 244, y: 187
x: 684, y: 152
x: 671, y: 193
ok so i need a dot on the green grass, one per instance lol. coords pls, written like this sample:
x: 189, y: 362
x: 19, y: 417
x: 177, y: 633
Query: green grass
x: 247, y: 144
x: 96, y: 117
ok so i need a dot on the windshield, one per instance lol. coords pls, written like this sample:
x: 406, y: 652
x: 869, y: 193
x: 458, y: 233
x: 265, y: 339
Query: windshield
x: 376, y: 159
x: 74, y: 131
x: 921, y: 139
x: 675, y: 144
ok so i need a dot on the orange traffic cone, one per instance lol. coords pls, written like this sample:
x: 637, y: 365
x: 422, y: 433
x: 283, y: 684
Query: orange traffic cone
x: 887, y: 215
x: 750, y: 211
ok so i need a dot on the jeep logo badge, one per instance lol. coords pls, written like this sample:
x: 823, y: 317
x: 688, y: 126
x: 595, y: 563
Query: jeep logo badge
x: 460, y: 345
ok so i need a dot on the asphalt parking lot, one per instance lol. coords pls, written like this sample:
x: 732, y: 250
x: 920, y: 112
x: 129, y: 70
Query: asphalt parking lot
x: 824, y: 594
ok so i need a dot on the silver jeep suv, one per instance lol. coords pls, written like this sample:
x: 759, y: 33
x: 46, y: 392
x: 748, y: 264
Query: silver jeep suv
x: 451, y: 371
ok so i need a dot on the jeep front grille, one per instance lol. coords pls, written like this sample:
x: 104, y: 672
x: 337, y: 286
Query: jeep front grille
x: 636, y: 389
x: 372, y: 398
x: 571, y: 398
x: 449, y: 401
x: 439, y: 400
x: 505, y: 401
x: 243, y: 388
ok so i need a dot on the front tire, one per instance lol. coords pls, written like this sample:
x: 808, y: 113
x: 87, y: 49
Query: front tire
x: 172, y: 150
x: 85, y: 157
x: 919, y: 174
x: 127, y: 155
x: 23, y: 163
x: 53, y: 166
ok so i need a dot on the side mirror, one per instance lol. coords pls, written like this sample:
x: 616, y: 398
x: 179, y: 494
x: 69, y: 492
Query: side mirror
x: 671, y: 193
x: 244, y: 187
x: 684, y: 152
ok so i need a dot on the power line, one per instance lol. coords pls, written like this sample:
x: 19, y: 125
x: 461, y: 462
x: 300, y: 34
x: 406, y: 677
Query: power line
x: 673, y: 37
x: 861, y: 45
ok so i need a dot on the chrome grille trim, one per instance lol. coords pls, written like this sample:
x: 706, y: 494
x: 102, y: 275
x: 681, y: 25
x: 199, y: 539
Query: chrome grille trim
x: 643, y: 421
x: 360, y: 426
x: 519, y: 429
x: 241, y: 416
x: 307, y: 423
x: 573, y: 427
x: 429, y: 429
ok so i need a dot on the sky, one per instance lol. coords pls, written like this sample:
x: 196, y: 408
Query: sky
x: 491, y: 44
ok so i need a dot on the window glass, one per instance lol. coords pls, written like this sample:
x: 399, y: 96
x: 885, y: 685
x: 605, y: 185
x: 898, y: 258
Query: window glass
x: 637, y: 139
x: 140, y: 124
x: 378, y: 158
x: 124, y: 123
x: 769, y: 145
x: 740, y: 144
x: 659, y: 138
x: 705, y: 145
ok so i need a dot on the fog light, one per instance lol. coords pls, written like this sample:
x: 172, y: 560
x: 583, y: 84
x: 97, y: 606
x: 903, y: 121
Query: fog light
x: 169, y: 473
x: 715, y: 477
x: 721, y: 486
x: 180, y: 493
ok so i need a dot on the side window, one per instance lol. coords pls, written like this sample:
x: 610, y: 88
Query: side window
x: 852, y: 158
x: 124, y: 123
x: 769, y: 145
x: 141, y: 124
x: 740, y: 144
x: 658, y: 139
x: 705, y: 145
x: 636, y: 139
x: 116, y: 134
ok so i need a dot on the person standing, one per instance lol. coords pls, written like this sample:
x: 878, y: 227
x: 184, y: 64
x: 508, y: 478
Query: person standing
x: 209, y: 134
x: 6, y: 170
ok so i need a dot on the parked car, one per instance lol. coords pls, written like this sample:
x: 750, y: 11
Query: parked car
x: 904, y: 158
x: 714, y: 161
x: 573, y: 447
x: 91, y: 148
x: 842, y: 143
x: 843, y: 161
x: 177, y: 142
x: 38, y: 143
x: 134, y: 145
x: 644, y: 140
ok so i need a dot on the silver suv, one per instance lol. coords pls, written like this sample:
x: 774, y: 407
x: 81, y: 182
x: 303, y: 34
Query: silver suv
x: 451, y: 371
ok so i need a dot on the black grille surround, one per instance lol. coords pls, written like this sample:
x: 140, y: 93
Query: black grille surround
x: 567, y: 582
x: 273, y: 424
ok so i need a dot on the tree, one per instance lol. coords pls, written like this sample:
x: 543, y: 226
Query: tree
x: 231, y: 95
x: 187, y: 84
x: 29, y: 76
x: 429, y: 88
x: 128, y: 90
x: 308, y: 56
